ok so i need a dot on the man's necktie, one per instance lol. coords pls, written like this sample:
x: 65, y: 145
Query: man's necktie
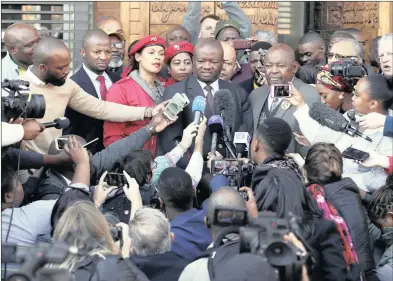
x: 209, y: 97
x: 274, y: 104
x: 103, y: 89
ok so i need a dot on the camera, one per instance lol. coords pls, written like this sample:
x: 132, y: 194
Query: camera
x: 263, y: 236
x: 238, y: 173
x: 348, y: 68
x: 16, y: 101
x: 33, y: 259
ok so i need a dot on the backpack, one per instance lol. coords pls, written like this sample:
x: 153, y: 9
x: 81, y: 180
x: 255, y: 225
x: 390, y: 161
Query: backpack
x: 330, y: 213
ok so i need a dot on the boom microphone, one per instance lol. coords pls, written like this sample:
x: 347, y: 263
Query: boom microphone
x: 216, y: 126
x: 59, y: 123
x: 225, y: 106
x: 332, y: 119
x: 198, y: 108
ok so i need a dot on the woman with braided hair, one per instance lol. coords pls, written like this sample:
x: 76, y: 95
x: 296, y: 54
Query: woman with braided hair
x: 380, y: 210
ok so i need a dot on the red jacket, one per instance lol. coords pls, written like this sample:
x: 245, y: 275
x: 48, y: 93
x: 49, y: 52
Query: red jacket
x: 126, y: 91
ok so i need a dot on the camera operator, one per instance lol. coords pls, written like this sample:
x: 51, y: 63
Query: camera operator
x: 82, y: 225
x: 48, y: 76
x: 21, y: 225
x: 26, y: 130
x: 371, y: 94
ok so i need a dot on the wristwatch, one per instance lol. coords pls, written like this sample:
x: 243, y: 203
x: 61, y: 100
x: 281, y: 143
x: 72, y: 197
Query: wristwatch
x: 151, y: 129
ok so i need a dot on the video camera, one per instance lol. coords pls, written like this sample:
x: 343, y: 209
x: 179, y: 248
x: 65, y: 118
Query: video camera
x: 238, y: 173
x: 349, y: 69
x: 263, y: 236
x: 33, y: 259
x: 17, y: 101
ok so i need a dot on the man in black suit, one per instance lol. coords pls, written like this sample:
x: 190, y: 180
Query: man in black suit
x: 256, y: 65
x: 94, y: 80
x: 207, y: 61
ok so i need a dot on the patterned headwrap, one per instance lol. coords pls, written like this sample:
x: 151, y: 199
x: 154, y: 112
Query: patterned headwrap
x: 335, y: 83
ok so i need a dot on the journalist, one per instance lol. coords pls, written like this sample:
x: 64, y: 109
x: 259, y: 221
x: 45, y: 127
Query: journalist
x: 48, y: 76
x: 371, y: 94
x: 13, y: 133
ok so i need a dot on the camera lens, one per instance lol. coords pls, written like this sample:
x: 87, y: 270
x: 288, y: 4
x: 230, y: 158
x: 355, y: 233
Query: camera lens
x: 36, y: 107
x: 280, y: 254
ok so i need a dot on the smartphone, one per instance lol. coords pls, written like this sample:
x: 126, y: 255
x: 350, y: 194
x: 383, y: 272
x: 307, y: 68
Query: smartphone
x: 90, y: 143
x: 281, y: 91
x: 227, y: 167
x: 115, y: 179
x: 355, y: 154
x: 177, y: 103
x: 60, y: 143
x: 242, y: 44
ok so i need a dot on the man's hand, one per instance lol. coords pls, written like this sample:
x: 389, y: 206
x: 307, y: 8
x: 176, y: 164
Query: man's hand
x: 76, y: 151
x: 131, y: 190
x: 372, y: 120
x: 375, y: 160
x: 302, y: 140
x: 189, y: 134
x: 159, y: 122
x: 125, y: 249
x: 291, y: 238
x: 251, y: 203
x: 102, y: 190
x: 296, y: 98
x: 32, y: 129
x: 200, y: 136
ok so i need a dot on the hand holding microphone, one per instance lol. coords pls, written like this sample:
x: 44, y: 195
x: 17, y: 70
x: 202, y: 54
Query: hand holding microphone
x: 200, y: 136
x: 189, y: 134
x: 32, y: 129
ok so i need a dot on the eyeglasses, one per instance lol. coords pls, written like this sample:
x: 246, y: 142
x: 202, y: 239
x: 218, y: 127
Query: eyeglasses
x: 340, y: 57
x: 118, y: 45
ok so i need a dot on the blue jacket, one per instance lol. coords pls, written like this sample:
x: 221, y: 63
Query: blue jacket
x: 192, y: 237
x: 388, y: 129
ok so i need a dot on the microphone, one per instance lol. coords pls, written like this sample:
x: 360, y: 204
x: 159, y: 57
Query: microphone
x: 198, y: 108
x: 216, y: 126
x: 242, y: 143
x: 224, y: 105
x: 59, y: 123
x: 332, y: 119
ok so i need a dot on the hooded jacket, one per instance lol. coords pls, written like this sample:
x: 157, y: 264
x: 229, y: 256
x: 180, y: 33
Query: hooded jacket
x: 344, y: 196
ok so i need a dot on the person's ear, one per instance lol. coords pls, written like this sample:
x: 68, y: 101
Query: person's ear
x: 11, y: 49
x: 82, y: 53
x: 255, y: 145
x: 295, y: 67
x: 172, y: 235
x: 207, y: 222
x: 341, y: 95
x: 43, y: 68
x: 138, y: 57
x: 9, y: 197
x: 374, y: 105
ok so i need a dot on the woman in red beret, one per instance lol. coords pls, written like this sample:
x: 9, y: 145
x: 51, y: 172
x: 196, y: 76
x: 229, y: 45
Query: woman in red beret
x: 140, y: 88
x: 178, y: 56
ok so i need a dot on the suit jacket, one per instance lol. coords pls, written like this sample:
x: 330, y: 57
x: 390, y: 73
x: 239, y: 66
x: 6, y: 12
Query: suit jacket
x: 247, y: 85
x: 259, y: 96
x: 192, y: 88
x: 82, y: 125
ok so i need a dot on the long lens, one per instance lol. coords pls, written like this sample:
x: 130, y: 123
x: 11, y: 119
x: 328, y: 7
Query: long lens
x: 337, y: 69
x: 36, y: 107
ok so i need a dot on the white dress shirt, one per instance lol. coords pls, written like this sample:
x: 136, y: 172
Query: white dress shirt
x: 93, y: 77
x: 9, y: 69
x: 214, y: 85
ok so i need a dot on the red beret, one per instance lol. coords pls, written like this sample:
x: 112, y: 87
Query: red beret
x: 177, y: 48
x: 148, y: 40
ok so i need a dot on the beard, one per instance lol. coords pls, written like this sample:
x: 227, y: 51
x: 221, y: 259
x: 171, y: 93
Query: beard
x: 116, y: 61
x: 51, y: 79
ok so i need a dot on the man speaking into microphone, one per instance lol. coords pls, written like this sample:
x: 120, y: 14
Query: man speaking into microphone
x: 207, y: 62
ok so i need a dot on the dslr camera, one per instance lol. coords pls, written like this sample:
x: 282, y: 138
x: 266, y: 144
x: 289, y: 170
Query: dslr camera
x: 349, y: 69
x: 263, y: 236
x: 17, y: 101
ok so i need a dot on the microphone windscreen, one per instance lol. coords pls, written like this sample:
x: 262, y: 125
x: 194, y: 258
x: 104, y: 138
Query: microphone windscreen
x: 216, y: 124
x: 199, y: 104
x: 223, y: 101
x: 327, y: 117
x: 62, y: 122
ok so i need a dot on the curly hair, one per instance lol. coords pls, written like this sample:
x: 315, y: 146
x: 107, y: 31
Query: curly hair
x: 382, y: 201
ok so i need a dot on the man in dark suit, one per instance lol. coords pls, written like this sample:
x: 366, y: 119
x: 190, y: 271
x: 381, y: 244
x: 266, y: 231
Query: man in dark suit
x: 94, y: 80
x: 208, y: 60
x: 255, y: 60
x: 280, y: 67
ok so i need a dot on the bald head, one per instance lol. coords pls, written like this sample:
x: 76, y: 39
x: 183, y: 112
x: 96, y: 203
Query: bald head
x: 95, y: 35
x: 285, y: 51
x: 229, y: 66
x: 225, y: 197
x: 209, y: 43
x: 109, y: 23
x: 46, y: 48
x: 280, y: 64
x: 177, y: 34
x: 208, y: 60
x: 20, y: 40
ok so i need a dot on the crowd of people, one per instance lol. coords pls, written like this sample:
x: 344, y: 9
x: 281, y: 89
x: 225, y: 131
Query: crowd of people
x: 140, y: 201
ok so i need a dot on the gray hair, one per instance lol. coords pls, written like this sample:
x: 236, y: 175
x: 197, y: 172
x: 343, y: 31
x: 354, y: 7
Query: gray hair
x: 386, y: 38
x: 355, y: 45
x: 266, y: 36
x: 150, y: 232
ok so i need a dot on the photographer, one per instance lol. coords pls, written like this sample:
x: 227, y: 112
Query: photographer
x: 12, y: 133
x: 21, y: 225
x: 371, y: 94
